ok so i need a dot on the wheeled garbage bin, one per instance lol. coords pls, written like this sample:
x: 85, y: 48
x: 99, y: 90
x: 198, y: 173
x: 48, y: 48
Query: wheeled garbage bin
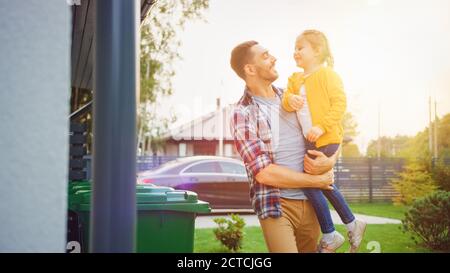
x: 165, y: 217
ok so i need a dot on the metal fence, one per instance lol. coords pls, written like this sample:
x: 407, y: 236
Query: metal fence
x: 367, y: 179
x: 149, y: 162
x: 359, y: 179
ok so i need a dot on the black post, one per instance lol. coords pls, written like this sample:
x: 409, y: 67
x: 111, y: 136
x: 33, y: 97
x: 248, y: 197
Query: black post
x: 370, y: 179
x: 116, y: 74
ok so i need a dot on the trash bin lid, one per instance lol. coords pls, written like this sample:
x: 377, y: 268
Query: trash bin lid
x: 80, y: 198
x: 147, y: 198
x: 166, y: 198
x: 78, y: 185
x: 152, y: 195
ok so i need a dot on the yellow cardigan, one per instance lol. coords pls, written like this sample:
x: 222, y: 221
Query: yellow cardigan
x: 326, y: 101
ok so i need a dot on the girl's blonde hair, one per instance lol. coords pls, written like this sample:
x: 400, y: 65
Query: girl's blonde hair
x: 319, y: 42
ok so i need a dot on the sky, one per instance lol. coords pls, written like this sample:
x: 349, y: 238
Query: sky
x: 391, y: 55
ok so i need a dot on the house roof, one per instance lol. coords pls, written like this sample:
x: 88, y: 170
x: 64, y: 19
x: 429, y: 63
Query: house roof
x: 206, y: 127
x: 82, y: 41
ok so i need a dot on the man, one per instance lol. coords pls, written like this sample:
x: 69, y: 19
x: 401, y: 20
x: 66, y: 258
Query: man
x: 270, y: 143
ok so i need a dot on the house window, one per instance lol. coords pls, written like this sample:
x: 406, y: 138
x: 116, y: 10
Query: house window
x: 182, y: 149
x: 228, y: 149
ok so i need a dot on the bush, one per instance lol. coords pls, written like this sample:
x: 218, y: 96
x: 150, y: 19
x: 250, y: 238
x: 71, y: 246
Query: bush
x: 441, y: 174
x: 429, y: 219
x: 414, y: 182
x: 229, y: 232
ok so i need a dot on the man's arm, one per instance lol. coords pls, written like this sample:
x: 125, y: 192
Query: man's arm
x: 254, y: 153
x: 321, y: 164
x: 282, y: 177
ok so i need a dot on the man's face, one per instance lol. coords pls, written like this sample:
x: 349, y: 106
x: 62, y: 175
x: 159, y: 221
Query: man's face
x: 263, y: 64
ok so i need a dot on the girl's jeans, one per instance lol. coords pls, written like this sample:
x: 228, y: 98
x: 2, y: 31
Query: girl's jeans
x: 317, y: 197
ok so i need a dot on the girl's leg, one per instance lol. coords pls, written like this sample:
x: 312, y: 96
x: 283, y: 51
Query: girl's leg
x: 337, y: 200
x: 320, y: 205
x: 335, y: 197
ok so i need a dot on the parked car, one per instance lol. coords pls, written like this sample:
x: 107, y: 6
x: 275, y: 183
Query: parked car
x: 221, y: 181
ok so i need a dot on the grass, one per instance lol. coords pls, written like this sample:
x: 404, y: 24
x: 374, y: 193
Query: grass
x: 389, y: 236
x: 387, y: 210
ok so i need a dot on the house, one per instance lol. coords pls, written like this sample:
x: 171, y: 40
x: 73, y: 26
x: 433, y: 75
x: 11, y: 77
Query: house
x: 206, y: 135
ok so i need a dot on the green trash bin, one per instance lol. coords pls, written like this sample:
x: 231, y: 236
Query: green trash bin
x: 165, y: 218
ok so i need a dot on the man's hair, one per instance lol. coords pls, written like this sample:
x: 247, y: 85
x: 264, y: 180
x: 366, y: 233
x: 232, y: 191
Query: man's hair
x: 240, y: 56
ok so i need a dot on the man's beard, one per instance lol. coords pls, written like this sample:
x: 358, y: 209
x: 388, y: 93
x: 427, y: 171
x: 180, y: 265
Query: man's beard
x: 268, y: 76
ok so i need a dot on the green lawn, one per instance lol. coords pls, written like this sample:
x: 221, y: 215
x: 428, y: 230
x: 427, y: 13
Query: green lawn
x: 389, y: 236
x: 387, y: 210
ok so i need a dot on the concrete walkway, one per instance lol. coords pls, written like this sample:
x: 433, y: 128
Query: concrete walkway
x: 252, y: 220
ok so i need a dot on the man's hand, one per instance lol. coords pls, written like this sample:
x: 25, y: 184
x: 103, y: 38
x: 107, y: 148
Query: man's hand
x: 321, y: 164
x: 325, y: 181
x: 295, y: 102
x: 314, y: 134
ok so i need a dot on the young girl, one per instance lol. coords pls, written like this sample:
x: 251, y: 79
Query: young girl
x: 318, y: 96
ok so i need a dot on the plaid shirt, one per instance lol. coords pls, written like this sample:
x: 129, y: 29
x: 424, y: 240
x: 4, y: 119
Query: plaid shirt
x: 252, y: 138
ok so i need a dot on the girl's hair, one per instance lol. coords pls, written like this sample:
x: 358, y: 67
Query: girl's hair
x: 319, y: 41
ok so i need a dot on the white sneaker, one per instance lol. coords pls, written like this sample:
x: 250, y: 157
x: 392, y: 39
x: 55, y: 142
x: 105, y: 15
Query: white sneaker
x: 355, y: 237
x: 337, y: 242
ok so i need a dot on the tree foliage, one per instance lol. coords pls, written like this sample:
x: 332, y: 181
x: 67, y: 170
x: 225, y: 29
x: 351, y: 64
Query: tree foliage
x: 417, y: 147
x: 413, y: 183
x: 160, y: 44
x: 159, y: 51
x: 349, y: 124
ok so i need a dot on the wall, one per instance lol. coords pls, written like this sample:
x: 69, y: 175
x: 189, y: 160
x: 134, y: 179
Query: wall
x: 34, y: 109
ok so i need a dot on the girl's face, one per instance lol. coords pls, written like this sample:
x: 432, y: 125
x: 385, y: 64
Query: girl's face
x: 304, y: 54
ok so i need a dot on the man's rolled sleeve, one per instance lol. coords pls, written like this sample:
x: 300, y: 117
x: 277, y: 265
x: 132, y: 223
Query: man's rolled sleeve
x: 253, y: 151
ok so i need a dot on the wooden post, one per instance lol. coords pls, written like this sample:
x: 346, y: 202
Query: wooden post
x: 370, y: 179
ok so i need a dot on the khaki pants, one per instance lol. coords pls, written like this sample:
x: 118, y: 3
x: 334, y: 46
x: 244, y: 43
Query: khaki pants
x: 297, y: 230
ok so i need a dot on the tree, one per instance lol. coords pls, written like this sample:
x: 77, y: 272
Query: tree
x: 159, y: 51
x: 441, y: 174
x: 413, y: 183
x: 350, y: 150
x: 349, y: 124
x: 390, y: 146
x: 415, y: 148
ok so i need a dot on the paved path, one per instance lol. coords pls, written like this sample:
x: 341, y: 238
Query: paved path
x: 252, y: 220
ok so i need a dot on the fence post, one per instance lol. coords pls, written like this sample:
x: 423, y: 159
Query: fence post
x: 370, y: 179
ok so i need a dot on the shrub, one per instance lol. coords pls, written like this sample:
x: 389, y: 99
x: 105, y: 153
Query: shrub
x: 429, y: 219
x: 441, y: 174
x: 414, y: 182
x: 229, y: 232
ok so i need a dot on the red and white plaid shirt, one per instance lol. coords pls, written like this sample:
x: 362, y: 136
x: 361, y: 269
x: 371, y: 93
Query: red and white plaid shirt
x: 253, y: 140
